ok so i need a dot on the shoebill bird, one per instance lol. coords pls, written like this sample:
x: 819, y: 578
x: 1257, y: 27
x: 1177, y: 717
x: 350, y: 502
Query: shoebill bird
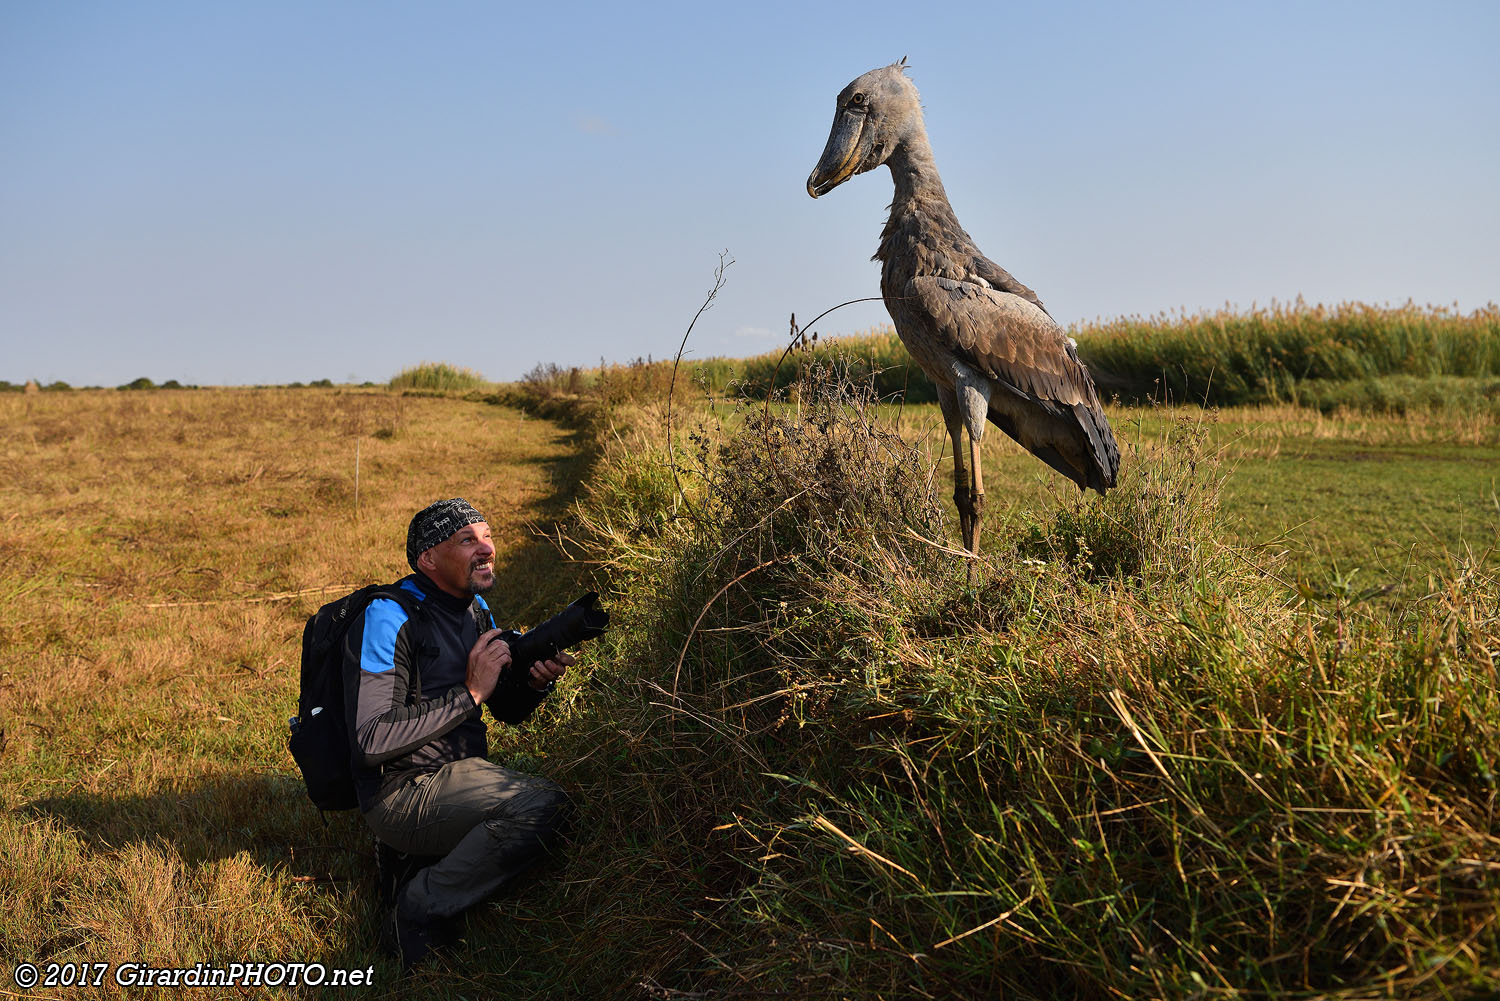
x: 985, y: 339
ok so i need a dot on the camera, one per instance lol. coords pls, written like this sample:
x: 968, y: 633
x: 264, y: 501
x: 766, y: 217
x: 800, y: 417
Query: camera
x: 582, y: 620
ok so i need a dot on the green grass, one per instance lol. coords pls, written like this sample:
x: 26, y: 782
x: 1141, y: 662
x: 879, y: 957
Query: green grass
x: 438, y: 377
x: 1386, y: 511
x: 1352, y: 357
x: 1401, y: 394
x: 1288, y: 352
x: 1380, y: 493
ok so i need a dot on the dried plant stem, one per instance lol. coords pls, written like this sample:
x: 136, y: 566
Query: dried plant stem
x: 725, y: 261
x: 283, y: 596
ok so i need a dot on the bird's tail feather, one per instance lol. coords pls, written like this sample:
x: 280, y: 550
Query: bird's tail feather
x: 1054, y: 458
x: 1092, y: 458
x: 1105, y: 467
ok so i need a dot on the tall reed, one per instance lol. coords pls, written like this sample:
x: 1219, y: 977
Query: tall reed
x: 1269, y: 354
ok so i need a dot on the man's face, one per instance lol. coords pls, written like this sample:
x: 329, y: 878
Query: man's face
x: 464, y: 563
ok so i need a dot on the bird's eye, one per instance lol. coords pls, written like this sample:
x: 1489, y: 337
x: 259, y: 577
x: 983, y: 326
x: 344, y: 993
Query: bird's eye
x: 857, y: 100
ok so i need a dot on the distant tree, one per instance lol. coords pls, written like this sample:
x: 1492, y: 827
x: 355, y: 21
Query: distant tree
x: 141, y: 383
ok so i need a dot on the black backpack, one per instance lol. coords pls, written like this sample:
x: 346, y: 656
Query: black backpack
x: 320, y: 740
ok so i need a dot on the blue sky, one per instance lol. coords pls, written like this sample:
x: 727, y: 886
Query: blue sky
x: 231, y: 193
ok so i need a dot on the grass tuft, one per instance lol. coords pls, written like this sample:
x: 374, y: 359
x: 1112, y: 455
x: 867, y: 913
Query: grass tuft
x: 1160, y: 523
x: 438, y: 377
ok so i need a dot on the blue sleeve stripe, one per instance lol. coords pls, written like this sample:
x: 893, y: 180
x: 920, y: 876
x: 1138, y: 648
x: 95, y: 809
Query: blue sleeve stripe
x: 383, y: 620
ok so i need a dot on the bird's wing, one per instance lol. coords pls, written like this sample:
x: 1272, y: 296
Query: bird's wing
x: 998, y: 278
x: 1042, y: 394
x: 1009, y: 338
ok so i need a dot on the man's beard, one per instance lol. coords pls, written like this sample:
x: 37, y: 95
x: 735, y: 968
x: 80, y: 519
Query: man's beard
x: 474, y: 573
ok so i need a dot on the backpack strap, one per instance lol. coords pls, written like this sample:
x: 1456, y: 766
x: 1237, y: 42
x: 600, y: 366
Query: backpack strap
x: 416, y: 612
x: 484, y: 619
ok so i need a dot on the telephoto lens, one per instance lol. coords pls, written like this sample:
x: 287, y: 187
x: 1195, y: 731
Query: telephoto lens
x: 580, y: 621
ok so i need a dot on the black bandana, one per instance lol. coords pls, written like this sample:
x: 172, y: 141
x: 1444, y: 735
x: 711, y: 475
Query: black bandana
x: 434, y: 523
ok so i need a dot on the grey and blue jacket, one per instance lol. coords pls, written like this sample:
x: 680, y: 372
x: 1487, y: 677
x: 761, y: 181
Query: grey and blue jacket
x: 399, y: 733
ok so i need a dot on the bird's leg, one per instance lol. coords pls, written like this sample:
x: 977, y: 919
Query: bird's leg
x: 961, y: 495
x: 976, y: 498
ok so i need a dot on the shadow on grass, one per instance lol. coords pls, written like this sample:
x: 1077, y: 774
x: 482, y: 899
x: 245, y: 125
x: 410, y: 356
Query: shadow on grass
x: 326, y: 867
x: 263, y: 818
x: 266, y: 816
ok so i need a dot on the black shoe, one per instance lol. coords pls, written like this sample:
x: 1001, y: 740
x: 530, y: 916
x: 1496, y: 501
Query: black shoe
x: 410, y: 940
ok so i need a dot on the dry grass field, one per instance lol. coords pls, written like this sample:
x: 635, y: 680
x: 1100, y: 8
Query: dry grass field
x: 159, y: 553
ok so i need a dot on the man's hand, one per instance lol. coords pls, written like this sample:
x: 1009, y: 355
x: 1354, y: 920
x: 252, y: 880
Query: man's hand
x: 487, y: 659
x: 544, y: 672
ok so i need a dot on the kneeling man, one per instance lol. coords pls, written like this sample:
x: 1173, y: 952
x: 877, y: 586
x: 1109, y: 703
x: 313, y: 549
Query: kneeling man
x: 414, y: 686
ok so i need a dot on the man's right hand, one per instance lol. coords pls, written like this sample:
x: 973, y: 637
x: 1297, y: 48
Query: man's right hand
x: 487, y: 659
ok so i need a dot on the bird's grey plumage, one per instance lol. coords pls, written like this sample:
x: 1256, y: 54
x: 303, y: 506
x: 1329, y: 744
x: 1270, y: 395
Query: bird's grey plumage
x: 984, y: 338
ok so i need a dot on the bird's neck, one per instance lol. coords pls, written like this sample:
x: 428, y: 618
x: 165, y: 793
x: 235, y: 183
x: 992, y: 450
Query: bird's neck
x: 916, y: 175
x: 922, y: 234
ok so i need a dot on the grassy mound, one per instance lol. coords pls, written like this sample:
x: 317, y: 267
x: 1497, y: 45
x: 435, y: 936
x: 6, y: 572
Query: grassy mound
x: 820, y: 756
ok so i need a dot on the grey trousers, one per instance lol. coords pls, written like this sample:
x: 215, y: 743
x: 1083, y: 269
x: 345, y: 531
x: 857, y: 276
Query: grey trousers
x: 488, y: 823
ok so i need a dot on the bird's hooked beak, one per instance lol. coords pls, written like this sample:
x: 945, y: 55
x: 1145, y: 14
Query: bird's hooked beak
x: 841, y: 157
